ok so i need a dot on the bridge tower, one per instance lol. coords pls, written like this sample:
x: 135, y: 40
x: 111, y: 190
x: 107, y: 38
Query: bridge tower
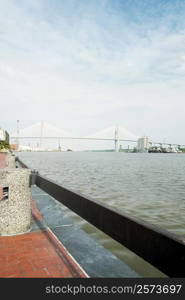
x: 116, y: 139
x: 41, y: 133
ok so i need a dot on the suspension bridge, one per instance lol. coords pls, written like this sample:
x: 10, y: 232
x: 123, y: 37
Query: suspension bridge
x: 43, y: 131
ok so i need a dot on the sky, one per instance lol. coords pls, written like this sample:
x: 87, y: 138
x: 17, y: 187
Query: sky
x: 86, y: 65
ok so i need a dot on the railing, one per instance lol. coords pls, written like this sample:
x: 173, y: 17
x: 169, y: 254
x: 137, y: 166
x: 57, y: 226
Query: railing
x: 162, y: 249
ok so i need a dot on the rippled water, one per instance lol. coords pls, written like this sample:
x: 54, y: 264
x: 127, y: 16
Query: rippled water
x: 148, y: 186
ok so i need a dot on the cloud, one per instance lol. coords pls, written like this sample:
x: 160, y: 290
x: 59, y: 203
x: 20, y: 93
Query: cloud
x: 73, y: 62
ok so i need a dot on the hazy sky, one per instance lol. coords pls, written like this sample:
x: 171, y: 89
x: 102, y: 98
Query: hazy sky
x: 85, y: 65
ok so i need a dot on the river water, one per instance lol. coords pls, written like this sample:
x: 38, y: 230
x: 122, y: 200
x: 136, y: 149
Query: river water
x: 148, y: 186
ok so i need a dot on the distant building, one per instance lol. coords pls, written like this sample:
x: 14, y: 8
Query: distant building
x: 4, y: 136
x: 143, y: 144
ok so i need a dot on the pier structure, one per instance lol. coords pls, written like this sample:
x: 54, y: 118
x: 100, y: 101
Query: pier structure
x: 51, y: 246
x: 55, y: 248
x: 161, y: 248
x: 28, y: 248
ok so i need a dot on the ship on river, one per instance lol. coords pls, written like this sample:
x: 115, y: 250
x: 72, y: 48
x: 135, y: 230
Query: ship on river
x: 155, y: 149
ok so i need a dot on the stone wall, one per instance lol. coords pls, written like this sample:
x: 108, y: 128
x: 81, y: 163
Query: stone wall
x: 15, y: 197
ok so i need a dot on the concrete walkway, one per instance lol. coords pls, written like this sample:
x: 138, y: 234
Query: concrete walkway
x: 36, y: 254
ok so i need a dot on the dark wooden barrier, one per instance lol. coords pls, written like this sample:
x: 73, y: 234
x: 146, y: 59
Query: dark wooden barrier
x: 162, y: 249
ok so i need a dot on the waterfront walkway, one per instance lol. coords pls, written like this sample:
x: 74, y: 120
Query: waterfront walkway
x: 2, y: 160
x: 37, y: 253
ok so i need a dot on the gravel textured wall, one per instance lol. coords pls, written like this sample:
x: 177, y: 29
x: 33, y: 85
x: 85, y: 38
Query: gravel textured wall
x: 15, y: 211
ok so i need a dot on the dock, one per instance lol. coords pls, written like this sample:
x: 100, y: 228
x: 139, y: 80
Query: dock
x: 37, y: 253
x: 54, y: 246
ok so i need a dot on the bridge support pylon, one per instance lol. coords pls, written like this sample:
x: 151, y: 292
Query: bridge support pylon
x: 116, y: 139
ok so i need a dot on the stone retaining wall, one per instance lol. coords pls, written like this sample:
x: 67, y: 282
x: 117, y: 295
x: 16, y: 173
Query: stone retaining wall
x: 15, y: 195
